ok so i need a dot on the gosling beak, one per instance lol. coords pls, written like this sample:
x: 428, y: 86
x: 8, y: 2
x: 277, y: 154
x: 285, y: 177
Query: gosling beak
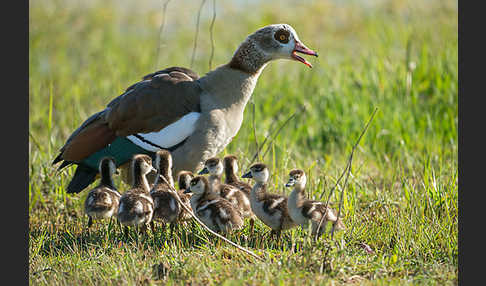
x: 301, y: 48
x: 247, y: 175
x: 290, y: 183
x: 204, y: 171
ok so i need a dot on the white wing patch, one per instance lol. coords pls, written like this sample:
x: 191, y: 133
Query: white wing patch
x: 169, y: 136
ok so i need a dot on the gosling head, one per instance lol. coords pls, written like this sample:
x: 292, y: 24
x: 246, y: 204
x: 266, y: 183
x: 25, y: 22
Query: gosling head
x: 163, y: 160
x: 212, y: 166
x: 230, y: 163
x: 198, y: 186
x: 184, y: 179
x: 142, y: 164
x: 258, y: 172
x: 107, y: 166
x: 297, y: 178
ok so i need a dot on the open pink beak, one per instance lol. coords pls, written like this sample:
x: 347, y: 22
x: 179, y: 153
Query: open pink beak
x: 301, y: 48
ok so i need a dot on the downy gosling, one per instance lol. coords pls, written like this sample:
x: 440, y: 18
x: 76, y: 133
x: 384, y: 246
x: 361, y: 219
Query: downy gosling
x: 302, y: 211
x: 214, y: 211
x: 102, y: 201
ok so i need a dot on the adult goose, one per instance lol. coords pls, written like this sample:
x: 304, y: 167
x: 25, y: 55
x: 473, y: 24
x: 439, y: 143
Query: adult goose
x: 194, y: 118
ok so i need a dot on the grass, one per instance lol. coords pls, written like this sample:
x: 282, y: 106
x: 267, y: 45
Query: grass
x: 401, y: 198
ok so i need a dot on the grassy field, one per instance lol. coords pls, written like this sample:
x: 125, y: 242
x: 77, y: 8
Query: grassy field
x: 401, y: 198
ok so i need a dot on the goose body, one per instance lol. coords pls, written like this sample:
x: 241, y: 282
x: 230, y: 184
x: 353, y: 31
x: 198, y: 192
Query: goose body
x: 174, y: 109
x: 102, y: 201
x: 304, y: 211
x: 214, y: 211
x: 136, y: 204
x: 270, y: 208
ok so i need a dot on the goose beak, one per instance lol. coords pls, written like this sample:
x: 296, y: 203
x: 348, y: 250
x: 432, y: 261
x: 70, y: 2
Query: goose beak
x: 187, y: 191
x: 204, y: 171
x: 290, y: 183
x: 301, y: 48
x: 247, y: 175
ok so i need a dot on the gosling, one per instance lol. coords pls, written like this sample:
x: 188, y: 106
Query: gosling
x: 214, y: 211
x: 102, y: 201
x: 271, y: 209
x: 238, y: 198
x: 166, y: 206
x: 302, y: 211
x: 230, y: 164
x: 136, y: 204
x: 184, y: 180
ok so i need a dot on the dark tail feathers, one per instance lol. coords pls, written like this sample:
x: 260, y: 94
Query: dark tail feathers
x: 82, y: 178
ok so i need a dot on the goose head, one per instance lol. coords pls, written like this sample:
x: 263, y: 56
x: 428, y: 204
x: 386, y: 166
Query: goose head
x: 142, y: 165
x: 184, y: 179
x: 230, y: 163
x: 258, y: 172
x: 198, y: 186
x: 272, y: 42
x: 212, y: 166
x: 297, y: 178
x: 107, y: 166
x: 163, y: 160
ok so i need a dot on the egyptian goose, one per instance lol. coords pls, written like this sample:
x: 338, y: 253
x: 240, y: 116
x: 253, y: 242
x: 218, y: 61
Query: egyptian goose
x: 215, y: 212
x: 214, y: 167
x: 136, y: 205
x: 102, y: 201
x: 302, y: 211
x: 184, y: 180
x: 194, y: 118
x: 271, y: 209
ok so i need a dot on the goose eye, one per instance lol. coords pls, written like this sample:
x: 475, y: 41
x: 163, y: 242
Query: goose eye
x: 282, y: 36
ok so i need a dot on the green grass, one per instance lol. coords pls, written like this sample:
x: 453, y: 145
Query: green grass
x: 401, y: 199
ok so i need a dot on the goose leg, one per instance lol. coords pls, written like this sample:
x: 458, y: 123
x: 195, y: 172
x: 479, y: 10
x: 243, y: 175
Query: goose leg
x: 90, y: 221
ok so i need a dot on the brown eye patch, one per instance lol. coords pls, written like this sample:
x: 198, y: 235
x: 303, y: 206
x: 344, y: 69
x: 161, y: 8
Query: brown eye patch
x: 282, y: 36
